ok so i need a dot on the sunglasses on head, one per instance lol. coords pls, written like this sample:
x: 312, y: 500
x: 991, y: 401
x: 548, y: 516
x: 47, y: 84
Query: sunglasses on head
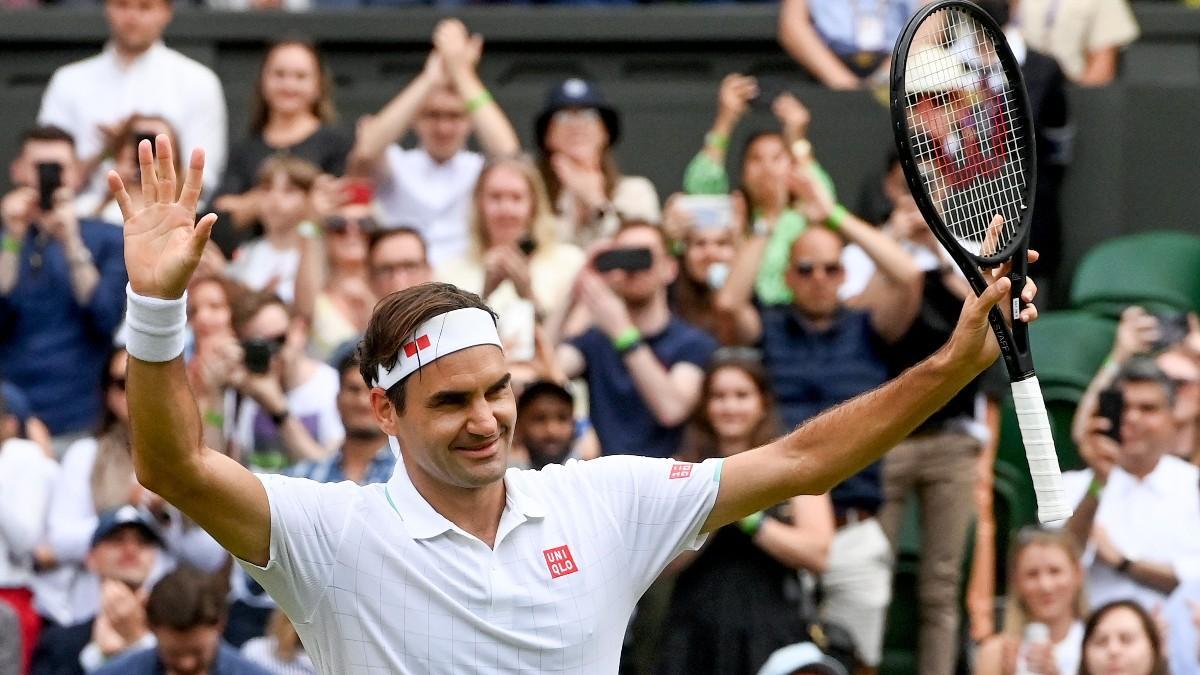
x: 807, y: 268
x: 339, y: 224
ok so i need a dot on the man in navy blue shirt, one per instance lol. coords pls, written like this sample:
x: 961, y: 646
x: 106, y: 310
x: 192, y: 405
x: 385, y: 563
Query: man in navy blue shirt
x: 186, y: 612
x: 62, y: 288
x: 821, y: 351
x: 643, y: 365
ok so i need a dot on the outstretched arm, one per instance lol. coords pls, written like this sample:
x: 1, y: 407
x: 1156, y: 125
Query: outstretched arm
x: 828, y: 448
x: 389, y: 126
x: 163, y: 244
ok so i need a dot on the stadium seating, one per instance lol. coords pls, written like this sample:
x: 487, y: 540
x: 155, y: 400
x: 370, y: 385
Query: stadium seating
x: 1159, y: 270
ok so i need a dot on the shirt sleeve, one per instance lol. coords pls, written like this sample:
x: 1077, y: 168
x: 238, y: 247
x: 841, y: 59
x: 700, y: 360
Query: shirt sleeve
x: 106, y: 308
x: 1114, y: 25
x: 24, y: 497
x: 307, y: 523
x: 56, y: 109
x: 705, y: 176
x: 71, y: 520
x: 659, y: 504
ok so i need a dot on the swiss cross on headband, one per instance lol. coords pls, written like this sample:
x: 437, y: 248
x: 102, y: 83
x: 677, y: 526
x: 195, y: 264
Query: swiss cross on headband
x: 442, y: 335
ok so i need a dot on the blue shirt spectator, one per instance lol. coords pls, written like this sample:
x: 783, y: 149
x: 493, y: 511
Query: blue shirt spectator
x: 333, y: 469
x: 62, y: 283
x: 147, y: 662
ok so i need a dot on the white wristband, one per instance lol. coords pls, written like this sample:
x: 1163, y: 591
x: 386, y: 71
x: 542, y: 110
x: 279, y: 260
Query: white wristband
x: 156, y: 326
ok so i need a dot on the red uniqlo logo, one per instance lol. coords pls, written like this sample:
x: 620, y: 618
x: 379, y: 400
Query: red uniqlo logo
x: 411, y: 348
x: 680, y: 470
x: 560, y: 562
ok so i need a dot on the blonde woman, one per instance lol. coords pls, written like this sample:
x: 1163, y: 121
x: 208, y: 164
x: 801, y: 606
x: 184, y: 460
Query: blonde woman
x: 515, y: 261
x: 1045, y: 590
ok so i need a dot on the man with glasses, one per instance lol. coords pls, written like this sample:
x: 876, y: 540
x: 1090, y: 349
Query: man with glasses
x: 820, y: 352
x: 396, y: 260
x: 430, y: 185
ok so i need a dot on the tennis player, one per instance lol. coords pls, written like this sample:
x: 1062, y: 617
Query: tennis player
x: 457, y: 565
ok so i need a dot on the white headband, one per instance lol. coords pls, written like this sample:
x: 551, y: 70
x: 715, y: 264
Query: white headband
x: 442, y: 335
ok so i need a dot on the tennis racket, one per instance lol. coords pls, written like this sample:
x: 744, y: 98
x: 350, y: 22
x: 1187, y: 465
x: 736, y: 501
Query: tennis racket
x: 965, y: 138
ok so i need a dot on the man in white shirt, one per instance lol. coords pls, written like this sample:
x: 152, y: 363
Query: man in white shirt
x: 136, y: 73
x: 429, y: 187
x: 1138, y: 510
x: 457, y: 564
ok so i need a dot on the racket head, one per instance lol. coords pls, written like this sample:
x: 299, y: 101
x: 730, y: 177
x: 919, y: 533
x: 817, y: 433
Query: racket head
x: 964, y: 132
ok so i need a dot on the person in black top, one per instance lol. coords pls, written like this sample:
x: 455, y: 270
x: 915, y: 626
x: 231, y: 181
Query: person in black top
x: 292, y: 113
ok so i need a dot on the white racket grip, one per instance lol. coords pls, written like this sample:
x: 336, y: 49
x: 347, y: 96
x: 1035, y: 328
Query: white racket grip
x: 1039, y: 450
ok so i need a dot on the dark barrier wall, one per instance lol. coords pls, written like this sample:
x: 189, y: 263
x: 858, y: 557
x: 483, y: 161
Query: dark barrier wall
x: 1137, y: 160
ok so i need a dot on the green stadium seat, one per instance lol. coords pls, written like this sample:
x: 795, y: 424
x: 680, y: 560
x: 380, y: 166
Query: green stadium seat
x: 1068, y: 348
x: 1160, y: 270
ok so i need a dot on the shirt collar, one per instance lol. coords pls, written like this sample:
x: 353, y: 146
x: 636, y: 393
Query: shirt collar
x: 423, y: 522
x: 1158, y: 480
x: 110, y: 53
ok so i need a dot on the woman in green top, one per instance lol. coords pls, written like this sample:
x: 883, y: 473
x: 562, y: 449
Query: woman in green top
x: 767, y: 174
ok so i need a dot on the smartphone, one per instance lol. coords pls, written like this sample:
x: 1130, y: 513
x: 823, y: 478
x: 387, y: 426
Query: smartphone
x: 258, y: 355
x: 628, y: 259
x: 708, y: 212
x: 49, y: 180
x: 1112, y: 405
x: 1172, y: 329
x: 527, y: 246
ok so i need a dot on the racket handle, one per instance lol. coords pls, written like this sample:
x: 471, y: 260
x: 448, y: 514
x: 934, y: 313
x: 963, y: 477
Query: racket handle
x: 1039, y: 450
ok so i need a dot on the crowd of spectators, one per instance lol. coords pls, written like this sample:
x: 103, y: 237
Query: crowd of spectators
x: 696, y: 326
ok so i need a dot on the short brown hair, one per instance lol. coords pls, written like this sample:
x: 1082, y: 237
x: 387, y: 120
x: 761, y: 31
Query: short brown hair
x: 396, y: 318
x: 247, y: 305
x: 300, y: 173
x: 185, y: 599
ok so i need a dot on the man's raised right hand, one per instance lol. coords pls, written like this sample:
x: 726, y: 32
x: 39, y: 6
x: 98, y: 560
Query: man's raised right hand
x: 163, y: 240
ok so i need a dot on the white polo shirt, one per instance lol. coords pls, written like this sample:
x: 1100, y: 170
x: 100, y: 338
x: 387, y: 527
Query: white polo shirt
x: 376, y: 581
x: 1156, y: 519
x: 100, y: 90
x: 434, y: 198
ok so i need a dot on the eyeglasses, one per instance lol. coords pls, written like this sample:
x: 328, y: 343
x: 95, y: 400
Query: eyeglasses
x: 807, y: 268
x: 339, y: 224
x: 404, y: 266
x: 577, y: 115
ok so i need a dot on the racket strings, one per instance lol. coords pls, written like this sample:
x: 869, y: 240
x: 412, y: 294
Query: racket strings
x: 965, y: 130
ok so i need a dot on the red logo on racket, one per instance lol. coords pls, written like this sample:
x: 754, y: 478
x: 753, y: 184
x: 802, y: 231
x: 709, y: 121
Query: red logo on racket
x: 680, y: 470
x: 559, y: 561
x: 411, y: 348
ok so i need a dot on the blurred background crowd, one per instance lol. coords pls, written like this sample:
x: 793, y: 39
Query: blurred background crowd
x: 688, y: 304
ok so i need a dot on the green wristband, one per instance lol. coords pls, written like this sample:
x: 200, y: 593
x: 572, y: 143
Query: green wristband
x: 837, y: 216
x: 716, y: 141
x: 11, y: 244
x: 215, y: 419
x: 1095, y: 488
x: 752, y: 523
x: 479, y: 100
x: 627, y: 340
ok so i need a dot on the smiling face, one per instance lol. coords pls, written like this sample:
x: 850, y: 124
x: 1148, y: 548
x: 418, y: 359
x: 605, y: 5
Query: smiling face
x: 505, y: 203
x: 1147, y: 426
x: 735, y: 405
x: 1048, y: 582
x: 578, y: 133
x: 457, y: 423
x: 291, y: 80
x: 705, y: 247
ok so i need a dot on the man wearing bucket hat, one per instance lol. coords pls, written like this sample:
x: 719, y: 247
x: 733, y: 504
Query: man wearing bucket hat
x: 576, y: 131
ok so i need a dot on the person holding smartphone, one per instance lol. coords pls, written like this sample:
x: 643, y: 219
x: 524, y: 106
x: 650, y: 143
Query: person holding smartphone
x: 62, y: 278
x: 642, y: 363
x: 1136, y: 556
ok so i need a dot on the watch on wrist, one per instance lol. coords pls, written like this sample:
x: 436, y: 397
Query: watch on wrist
x: 1123, y: 566
x: 280, y: 417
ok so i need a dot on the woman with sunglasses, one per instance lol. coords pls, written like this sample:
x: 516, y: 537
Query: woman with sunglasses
x: 738, y: 598
x: 333, y: 289
x: 516, y: 262
x: 1045, y: 591
x: 576, y: 131
x: 292, y: 113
